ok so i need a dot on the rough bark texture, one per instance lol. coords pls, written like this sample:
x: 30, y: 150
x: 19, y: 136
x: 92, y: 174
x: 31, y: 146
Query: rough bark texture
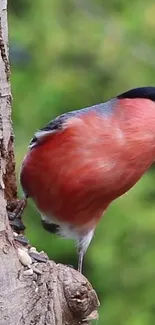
x: 57, y: 295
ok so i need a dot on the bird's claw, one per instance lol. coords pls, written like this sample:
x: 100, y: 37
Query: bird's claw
x: 15, y: 210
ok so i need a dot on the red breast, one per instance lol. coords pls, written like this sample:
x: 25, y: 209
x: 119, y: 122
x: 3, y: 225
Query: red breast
x: 74, y: 174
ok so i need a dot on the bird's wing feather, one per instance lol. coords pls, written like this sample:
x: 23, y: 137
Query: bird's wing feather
x: 53, y: 126
x: 58, y: 123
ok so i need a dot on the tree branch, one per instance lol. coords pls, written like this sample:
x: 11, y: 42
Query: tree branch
x: 43, y: 293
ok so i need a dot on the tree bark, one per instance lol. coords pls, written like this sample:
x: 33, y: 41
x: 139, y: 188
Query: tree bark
x: 55, y: 294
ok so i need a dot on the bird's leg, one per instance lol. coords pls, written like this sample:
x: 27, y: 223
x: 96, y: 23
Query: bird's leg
x: 83, y: 244
x: 80, y: 260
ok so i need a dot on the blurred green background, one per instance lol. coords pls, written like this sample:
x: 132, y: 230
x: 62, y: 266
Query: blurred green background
x: 70, y: 54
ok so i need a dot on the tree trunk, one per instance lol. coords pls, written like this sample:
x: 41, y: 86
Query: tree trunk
x: 55, y: 294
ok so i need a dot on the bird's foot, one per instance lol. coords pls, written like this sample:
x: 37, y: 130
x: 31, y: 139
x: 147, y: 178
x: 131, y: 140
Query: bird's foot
x: 15, y: 210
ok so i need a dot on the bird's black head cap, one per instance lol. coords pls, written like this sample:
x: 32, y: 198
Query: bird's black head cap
x: 143, y: 92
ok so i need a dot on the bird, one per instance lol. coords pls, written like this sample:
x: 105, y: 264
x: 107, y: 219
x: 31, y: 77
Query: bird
x: 83, y: 160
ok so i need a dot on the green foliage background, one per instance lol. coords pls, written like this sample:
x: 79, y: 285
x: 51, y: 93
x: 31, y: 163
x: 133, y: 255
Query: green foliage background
x: 70, y: 54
